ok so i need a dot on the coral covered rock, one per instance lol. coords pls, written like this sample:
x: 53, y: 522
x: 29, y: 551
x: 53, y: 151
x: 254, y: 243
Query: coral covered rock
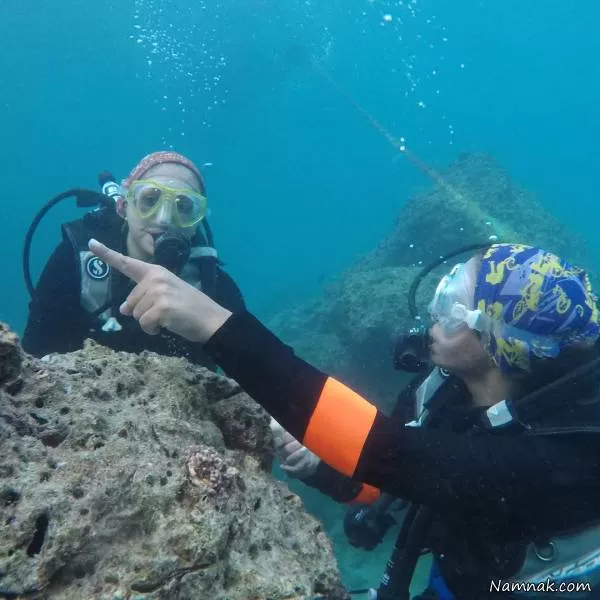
x: 11, y: 357
x: 121, y: 478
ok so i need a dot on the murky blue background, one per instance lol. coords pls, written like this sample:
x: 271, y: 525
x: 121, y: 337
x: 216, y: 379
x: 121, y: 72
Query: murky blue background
x: 299, y: 182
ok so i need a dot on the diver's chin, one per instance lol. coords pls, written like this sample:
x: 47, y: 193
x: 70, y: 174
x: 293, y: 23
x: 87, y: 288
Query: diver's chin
x: 148, y: 244
x: 435, y: 359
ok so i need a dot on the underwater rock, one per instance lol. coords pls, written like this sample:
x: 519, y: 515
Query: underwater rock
x: 11, y: 358
x: 474, y: 201
x: 119, y: 480
x: 349, y: 331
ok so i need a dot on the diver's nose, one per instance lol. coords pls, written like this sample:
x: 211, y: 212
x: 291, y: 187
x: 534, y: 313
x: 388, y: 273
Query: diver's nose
x: 164, y: 216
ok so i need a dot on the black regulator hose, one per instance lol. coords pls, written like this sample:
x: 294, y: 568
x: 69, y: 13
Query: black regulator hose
x: 85, y: 199
x: 412, y: 292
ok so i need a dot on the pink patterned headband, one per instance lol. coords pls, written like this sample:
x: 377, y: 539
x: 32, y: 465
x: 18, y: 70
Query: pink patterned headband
x: 158, y: 158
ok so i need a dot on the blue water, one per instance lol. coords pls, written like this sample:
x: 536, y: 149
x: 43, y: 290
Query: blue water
x: 299, y: 183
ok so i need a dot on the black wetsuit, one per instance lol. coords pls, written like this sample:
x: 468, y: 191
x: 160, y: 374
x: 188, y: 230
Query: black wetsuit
x: 58, y: 323
x: 491, y: 493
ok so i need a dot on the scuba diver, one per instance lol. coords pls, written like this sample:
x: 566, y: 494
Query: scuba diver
x: 500, y: 462
x: 368, y: 519
x: 158, y: 214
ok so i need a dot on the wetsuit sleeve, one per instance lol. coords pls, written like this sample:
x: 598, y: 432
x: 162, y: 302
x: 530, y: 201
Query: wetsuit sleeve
x: 441, y: 469
x: 228, y: 293
x: 339, y: 487
x: 54, y: 323
x: 344, y: 489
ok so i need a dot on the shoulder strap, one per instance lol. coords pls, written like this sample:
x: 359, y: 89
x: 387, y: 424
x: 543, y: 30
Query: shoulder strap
x: 94, y: 276
x: 206, y: 261
x: 546, y: 400
x: 201, y: 268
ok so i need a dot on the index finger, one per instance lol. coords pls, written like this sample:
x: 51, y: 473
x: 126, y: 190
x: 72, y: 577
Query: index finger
x: 130, y: 267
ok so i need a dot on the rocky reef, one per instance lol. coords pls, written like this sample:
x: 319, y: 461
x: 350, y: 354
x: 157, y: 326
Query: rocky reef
x: 144, y: 477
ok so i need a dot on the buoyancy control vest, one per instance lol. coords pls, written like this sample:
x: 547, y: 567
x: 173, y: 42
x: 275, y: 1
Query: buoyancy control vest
x: 571, y: 558
x: 97, y: 286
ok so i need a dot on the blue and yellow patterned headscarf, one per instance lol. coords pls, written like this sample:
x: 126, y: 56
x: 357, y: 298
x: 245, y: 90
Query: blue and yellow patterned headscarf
x: 539, y: 293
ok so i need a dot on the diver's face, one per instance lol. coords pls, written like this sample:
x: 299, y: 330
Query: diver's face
x: 143, y: 232
x: 460, y: 351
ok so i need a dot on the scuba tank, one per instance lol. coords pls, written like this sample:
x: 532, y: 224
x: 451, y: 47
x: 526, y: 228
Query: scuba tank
x: 109, y: 186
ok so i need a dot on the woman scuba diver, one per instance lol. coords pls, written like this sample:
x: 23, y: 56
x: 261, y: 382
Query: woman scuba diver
x: 158, y: 214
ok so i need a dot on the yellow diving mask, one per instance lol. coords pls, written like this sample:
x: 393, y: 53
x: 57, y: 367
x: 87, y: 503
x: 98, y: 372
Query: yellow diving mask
x: 185, y: 207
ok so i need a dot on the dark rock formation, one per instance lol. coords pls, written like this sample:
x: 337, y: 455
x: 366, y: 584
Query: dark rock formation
x: 474, y: 199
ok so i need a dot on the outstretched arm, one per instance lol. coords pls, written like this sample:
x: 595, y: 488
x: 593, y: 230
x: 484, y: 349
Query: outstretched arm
x: 487, y: 473
x: 482, y: 473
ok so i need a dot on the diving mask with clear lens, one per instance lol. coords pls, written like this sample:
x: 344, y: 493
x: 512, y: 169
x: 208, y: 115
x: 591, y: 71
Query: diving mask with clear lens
x: 452, y: 302
x: 151, y: 199
x: 452, y: 309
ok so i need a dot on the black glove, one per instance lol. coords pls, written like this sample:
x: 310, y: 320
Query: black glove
x: 365, y: 527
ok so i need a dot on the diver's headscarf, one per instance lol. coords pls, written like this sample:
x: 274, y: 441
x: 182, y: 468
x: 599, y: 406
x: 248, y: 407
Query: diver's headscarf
x: 158, y: 158
x: 538, y: 292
